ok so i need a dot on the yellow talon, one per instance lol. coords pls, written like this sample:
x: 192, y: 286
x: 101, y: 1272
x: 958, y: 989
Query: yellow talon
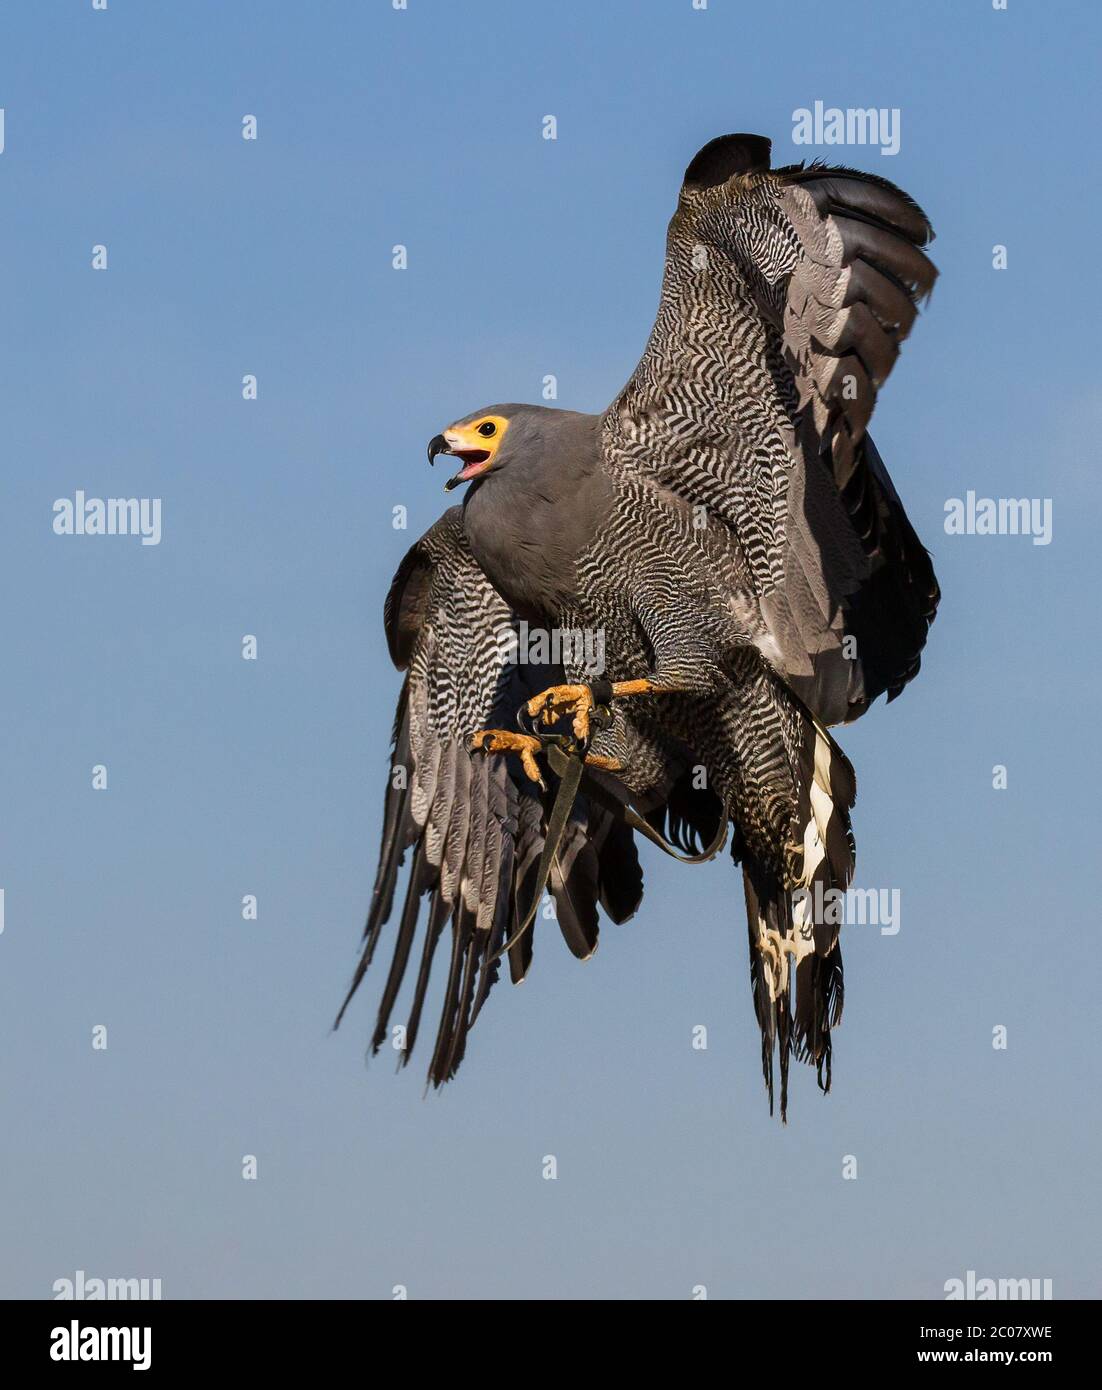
x: 505, y: 741
x: 527, y: 745
x: 558, y: 701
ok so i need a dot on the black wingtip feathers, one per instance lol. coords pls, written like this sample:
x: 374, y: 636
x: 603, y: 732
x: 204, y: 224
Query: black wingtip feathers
x: 727, y: 155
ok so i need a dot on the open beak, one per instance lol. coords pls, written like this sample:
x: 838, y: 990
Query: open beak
x: 475, y: 460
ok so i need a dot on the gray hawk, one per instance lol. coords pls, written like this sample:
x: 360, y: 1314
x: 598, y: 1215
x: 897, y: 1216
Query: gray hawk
x: 730, y: 533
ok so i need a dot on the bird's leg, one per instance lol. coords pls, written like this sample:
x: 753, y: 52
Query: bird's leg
x: 576, y: 702
x: 597, y: 760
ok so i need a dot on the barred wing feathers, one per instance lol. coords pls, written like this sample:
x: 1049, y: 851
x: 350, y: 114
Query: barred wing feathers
x: 471, y: 824
x: 785, y: 299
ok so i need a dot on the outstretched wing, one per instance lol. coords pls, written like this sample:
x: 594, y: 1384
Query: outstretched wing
x: 474, y: 822
x: 785, y: 299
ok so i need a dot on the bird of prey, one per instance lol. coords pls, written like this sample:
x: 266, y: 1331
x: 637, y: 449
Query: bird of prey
x: 730, y: 533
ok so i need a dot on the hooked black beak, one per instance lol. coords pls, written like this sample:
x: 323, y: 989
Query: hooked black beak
x: 473, y: 460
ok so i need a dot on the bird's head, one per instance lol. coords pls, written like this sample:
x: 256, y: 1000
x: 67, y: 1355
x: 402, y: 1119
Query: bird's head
x: 478, y: 441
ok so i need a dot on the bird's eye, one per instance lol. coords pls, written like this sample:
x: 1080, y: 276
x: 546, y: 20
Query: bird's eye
x: 487, y: 428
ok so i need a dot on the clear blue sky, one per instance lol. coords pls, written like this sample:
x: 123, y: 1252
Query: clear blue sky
x: 226, y: 777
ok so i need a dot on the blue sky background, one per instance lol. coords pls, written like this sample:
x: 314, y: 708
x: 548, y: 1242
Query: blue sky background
x: 226, y: 777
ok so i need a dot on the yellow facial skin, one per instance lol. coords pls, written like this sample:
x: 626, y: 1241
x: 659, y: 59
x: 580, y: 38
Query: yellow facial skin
x: 476, y: 442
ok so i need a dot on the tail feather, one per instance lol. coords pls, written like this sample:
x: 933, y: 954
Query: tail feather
x: 795, y: 959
